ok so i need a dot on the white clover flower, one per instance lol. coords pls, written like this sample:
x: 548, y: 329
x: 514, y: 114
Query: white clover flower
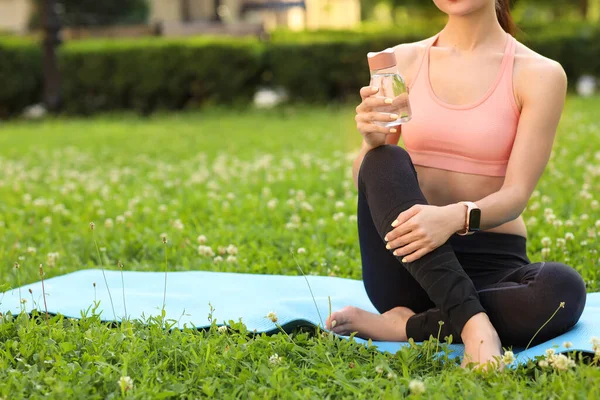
x: 532, y: 220
x: 550, y: 353
x: 205, y: 251
x: 379, y: 369
x: 101, y: 212
x: 543, y: 363
x: 47, y: 220
x: 271, y: 204
x: 275, y: 359
x: 583, y: 243
x: 221, y: 250
x: 231, y: 250
x: 272, y: 316
x: 340, y: 254
x: 595, y: 341
x: 339, y: 204
x: 562, y: 362
x: 177, y: 224
x: 338, y: 216
x: 567, y: 345
x: 301, y: 250
x: 545, y: 253
x: 591, y: 232
x: 584, y: 217
x: 546, y: 242
x: 222, y: 329
x: 125, y: 383
x: 231, y: 259
x: 546, y: 199
x: 548, y: 211
x: 330, y: 193
x: 128, y: 214
x: 392, y: 375
x: 300, y: 195
x: 594, y: 204
x: 217, y: 259
x: 557, y: 223
x: 320, y: 222
x: 201, y: 239
x: 295, y: 219
x: 560, y: 242
x: 31, y: 250
x: 508, y: 357
x: 162, y: 208
x: 569, y: 236
x: 120, y: 219
x: 416, y: 386
x: 569, y: 223
x: 291, y: 202
x: 163, y: 237
x: 51, y: 259
x: 108, y: 223
x: 352, y: 218
x: 306, y: 206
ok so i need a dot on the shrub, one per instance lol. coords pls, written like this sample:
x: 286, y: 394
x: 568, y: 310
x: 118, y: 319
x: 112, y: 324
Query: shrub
x: 150, y: 73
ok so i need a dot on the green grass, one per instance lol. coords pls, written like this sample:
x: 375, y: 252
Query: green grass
x: 262, y: 181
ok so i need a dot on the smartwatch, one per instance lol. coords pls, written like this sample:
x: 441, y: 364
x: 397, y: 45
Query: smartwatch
x: 472, y: 219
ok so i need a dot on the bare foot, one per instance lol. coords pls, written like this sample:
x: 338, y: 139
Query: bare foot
x: 483, y: 348
x: 389, y: 326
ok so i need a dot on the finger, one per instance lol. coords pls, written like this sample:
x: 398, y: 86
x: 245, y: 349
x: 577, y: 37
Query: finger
x: 406, y: 215
x: 374, y: 116
x: 367, y: 129
x: 377, y: 101
x: 416, y: 255
x: 408, y: 249
x: 368, y: 91
x: 402, y: 240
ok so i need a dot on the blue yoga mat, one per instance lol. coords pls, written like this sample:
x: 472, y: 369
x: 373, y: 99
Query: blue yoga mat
x: 234, y: 296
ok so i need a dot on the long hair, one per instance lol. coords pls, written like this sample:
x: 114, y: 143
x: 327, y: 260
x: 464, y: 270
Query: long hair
x: 504, y: 17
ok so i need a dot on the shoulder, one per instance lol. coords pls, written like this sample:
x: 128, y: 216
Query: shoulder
x: 409, y: 56
x: 536, y: 75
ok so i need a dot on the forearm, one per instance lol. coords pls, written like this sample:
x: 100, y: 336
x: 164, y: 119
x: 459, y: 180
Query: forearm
x: 496, y: 209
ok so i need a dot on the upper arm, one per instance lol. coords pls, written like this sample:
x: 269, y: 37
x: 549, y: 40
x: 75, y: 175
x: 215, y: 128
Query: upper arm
x: 542, y: 90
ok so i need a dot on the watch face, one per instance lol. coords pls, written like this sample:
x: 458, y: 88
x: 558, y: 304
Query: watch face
x: 474, y: 219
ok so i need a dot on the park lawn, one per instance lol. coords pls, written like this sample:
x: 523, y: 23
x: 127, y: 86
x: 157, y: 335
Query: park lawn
x: 255, y: 184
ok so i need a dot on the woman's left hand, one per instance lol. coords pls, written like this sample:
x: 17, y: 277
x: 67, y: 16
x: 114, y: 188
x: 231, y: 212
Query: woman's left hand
x: 423, y: 228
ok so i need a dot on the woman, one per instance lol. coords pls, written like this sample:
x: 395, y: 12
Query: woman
x: 485, y: 112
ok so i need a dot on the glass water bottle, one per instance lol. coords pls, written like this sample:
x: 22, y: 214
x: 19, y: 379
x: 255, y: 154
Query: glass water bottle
x: 385, y: 76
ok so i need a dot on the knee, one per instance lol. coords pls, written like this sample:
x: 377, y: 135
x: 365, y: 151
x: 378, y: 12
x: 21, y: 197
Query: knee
x: 383, y: 158
x: 568, y: 287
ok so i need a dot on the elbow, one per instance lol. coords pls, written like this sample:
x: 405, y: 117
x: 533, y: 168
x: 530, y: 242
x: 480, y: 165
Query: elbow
x: 518, y: 199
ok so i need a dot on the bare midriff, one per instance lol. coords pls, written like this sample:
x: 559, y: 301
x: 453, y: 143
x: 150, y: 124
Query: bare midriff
x: 442, y: 187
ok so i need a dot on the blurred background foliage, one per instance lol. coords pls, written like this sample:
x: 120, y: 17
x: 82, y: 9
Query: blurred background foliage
x: 311, y: 66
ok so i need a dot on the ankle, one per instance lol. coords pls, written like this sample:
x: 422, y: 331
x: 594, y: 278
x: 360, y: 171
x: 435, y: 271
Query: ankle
x: 478, y: 327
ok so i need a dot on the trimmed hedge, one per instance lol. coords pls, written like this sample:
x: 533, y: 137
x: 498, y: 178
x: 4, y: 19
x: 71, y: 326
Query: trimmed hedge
x: 159, y: 73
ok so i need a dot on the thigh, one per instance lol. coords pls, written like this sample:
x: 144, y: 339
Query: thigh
x: 387, y: 282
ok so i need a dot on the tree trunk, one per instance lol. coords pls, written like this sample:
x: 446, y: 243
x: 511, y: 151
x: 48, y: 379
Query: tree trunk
x: 583, y: 8
x: 216, y: 16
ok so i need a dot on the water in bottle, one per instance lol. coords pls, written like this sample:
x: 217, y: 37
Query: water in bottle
x: 385, y: 76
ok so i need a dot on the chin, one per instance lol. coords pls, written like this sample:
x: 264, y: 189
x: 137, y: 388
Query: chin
x: 460, y: 7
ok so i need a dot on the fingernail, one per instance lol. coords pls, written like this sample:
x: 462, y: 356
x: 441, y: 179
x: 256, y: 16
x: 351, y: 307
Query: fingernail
x: 393, y: 130
x: 394, y: 116
x: 404, y: 260
x: 394, y: 253
x: 333, y: 323
x: 385, y: 238
x: 388, y: 101
x: 374, y: 89
x: 387, y: 246
x: 395, y: 223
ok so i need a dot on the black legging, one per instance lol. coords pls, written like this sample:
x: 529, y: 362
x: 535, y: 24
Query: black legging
x: 484, y: 272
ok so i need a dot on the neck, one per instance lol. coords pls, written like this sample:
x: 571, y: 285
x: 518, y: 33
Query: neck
x: 468, y: 32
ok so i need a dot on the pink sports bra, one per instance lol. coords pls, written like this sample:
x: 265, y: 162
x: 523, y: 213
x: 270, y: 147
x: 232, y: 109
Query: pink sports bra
x: 474, y: 138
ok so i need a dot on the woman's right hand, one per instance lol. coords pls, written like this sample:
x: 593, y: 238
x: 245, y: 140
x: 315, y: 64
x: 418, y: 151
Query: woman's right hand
x: 374, y: 135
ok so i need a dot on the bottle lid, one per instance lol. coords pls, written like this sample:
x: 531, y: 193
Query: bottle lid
x: 381, y: 60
